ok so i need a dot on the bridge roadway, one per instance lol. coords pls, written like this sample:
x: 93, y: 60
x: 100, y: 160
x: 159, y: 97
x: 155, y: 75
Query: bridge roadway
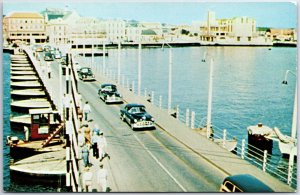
x: 172, y: 158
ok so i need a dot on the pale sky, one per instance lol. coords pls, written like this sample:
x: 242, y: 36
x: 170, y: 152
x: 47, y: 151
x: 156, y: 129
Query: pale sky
x: 274, y: 14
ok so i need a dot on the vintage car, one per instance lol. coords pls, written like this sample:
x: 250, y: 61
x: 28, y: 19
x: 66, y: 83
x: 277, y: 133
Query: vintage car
x: 244, y: 183
x: 137, y: 117
x: 86, y: 74
x: 48, y: 56
x: 109, y: 93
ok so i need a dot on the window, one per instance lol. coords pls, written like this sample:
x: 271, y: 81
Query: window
x: 249, y: 38
x: 229, y: 186
x: 238, y: 38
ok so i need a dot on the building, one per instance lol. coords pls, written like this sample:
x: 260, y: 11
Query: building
x: 115, y: 30
x: 233, y: 31
x: 26, y: 27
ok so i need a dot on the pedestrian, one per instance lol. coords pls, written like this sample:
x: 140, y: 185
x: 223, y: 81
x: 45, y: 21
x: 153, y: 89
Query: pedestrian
x: 86, y: 110
x: 49, y: 70
x: 80, y: 143
x: 102, y: 178
x: 96, y: 129
x: 66, y: 106
x: 94, y: 145
x: 102, y: 145
x: 87, y: 181
x: 26, y: 132
x: 85, y: 155
x: 87, y: 134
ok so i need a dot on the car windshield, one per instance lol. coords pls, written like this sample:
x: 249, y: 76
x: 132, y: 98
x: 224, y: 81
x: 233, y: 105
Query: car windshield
x: 135, y: 110
x: 109, y: 88
x: 85, y: 70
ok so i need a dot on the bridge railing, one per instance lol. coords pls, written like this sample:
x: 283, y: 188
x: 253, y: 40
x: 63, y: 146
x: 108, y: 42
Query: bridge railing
x: 73, y: 125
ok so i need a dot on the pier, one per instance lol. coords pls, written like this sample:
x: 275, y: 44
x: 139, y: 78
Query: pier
x: 170, y: 158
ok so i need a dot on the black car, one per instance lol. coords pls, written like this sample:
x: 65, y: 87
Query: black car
x: 109, y: 93
x: 137, y: 117
x: 86, y: 74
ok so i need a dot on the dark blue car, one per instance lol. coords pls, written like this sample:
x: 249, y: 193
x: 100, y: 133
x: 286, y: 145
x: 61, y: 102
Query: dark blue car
x: 137, y: 117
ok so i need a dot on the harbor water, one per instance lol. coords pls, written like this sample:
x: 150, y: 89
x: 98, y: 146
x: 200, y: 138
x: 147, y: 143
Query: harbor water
x: 247, y: 87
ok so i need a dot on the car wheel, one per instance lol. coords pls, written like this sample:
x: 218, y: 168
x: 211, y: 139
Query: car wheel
x: 131, y: 125
x: 122, y: 117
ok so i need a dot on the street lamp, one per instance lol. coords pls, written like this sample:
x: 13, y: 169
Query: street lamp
x: 170, y: 77
x: 140, y: 67
x: 208, y: 121
x: 294, y: 127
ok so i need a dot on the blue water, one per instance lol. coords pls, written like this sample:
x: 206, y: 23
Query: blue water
x: 247, y: 86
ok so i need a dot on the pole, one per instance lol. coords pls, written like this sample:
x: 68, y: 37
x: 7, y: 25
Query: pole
x: 208, y: 121
x: 170, y: 81
x: 60, y: 90
x: 103, y: 58
x: 119, y: 61
x: 140, y: 68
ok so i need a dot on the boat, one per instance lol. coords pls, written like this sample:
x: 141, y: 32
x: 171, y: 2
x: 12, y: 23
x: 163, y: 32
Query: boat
x: 259, y: 138
x: 287, y: 144
x: 45, y: 129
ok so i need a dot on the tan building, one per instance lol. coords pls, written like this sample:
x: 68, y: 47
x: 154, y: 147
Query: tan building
x: 283, y: 34
x: 24, y: 26
x: 232, y: 31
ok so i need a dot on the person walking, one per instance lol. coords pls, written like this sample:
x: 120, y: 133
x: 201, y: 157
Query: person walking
x: 87, y: 134
x: 80, y: 143
x: 26, y: 131
x: 102, y: 178
x: 94, y: 145
x: 86, y: 110
x: 102, y: 145
x: 96, y: 129
x: 49, y: 70
x: 85, y: 155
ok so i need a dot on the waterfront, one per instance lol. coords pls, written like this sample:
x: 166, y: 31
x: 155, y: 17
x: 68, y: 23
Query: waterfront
x: 247, y: 83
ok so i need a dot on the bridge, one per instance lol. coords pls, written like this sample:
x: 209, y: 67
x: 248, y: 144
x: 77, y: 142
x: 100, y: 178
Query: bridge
x: 171, y: 158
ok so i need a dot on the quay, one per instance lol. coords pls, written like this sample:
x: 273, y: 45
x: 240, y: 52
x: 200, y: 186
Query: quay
x: 222, y: 161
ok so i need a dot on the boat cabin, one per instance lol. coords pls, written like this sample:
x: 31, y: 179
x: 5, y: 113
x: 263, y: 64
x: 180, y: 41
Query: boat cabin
x: 40, y: 122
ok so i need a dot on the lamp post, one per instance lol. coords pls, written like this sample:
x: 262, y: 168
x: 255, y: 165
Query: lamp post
x: 119, y: 61
x: 294, y: 127
x: 103, y: 59
x: 170, y: 77
x: 140, y: 67
x: 208, y: 121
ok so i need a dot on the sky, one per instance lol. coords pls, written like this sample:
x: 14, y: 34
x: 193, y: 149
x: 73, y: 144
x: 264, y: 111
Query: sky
x: 274, y: 14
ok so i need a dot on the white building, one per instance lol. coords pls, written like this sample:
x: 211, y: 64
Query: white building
x: 115, y: 30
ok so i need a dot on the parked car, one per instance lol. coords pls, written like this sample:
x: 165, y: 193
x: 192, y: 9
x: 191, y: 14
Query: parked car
x: 86, y: 74
x: 48, y: 56
x: 244, y: 183
x: 47, y: 48
x: 137, y: 117
x: 38, y: 48
x: 109, y: 93
x: 57, y: 54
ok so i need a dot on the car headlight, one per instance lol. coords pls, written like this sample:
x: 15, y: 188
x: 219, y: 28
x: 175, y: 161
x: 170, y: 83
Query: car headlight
x: 152, y: 119
x: 144, y: 118
x: 135, y: 120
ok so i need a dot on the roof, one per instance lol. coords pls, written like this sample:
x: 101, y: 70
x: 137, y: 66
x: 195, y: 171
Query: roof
x: 148, y: 32
x: 107, y: 84
x: 248, y: 183
x: 25, y: 15
x: 135, y: 105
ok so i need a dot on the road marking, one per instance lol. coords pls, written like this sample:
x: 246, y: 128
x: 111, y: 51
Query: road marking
x: 160, y: 164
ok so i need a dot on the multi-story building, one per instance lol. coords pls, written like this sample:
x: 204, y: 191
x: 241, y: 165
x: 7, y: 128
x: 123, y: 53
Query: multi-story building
x: 115, y: 30
x: 24, y: 26
x: 233, y: 31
